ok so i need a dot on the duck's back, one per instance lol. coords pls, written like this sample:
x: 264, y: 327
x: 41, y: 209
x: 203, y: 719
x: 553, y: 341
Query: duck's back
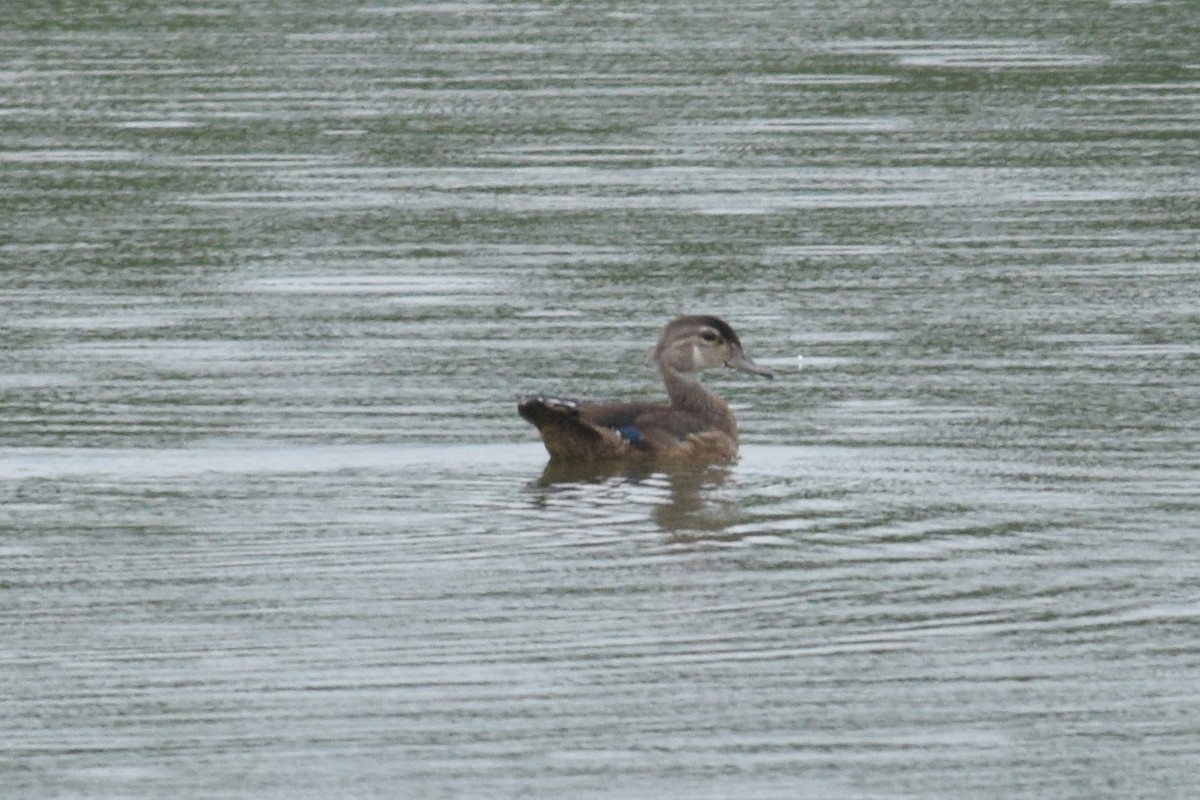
x: 593, y: 432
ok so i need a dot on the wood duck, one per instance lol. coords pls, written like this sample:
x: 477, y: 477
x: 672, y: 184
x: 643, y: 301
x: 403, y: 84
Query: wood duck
x: 695, y: 426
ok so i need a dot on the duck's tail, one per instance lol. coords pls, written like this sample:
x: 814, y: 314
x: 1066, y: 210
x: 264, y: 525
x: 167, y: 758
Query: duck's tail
x: 567, y: 435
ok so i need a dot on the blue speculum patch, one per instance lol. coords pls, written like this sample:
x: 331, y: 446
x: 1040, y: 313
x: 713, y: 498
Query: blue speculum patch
x: 631, y: 434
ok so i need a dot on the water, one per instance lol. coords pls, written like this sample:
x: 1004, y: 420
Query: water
x: 273, y: 277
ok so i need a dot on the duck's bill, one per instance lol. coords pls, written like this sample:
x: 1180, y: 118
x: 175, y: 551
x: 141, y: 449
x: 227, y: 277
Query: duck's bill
x: 744, y: 363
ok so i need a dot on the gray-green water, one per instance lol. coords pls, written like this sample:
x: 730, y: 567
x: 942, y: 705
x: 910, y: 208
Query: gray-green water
x: 274, y: 274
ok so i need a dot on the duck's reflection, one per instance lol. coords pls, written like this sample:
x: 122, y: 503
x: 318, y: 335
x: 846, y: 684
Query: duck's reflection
x: 691, y: 502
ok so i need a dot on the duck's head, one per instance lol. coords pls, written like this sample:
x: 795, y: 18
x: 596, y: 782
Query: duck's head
x: 693, y: 343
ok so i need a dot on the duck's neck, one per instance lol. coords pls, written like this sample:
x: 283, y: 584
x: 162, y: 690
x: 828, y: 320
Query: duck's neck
x: 688, y: 394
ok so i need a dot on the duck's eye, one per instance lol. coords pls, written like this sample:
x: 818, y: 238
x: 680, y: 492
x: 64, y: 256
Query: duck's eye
x: 712, y: 337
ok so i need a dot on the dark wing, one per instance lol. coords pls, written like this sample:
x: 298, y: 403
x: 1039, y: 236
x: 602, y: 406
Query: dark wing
x: 580, y: 431
x: 569, y: 434
x: 647, y: 426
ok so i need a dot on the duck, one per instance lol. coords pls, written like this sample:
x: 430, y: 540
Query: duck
x: 694, y: 426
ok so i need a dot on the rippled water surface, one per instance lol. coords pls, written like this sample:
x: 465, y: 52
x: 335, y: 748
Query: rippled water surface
x: 273, y: 275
